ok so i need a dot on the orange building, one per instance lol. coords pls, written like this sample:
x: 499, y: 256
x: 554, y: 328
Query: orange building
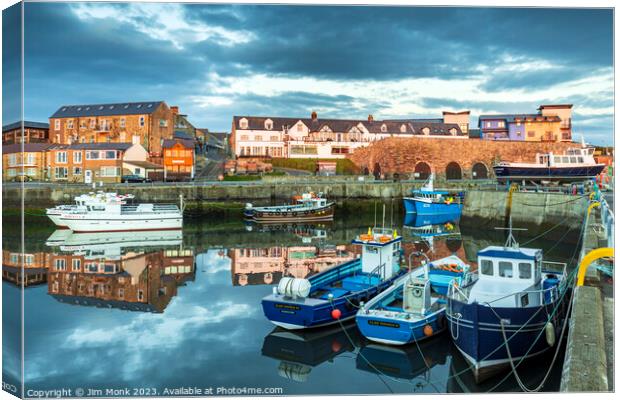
x: 24, y: 162
x: 179, y: 159
x: 146, y: 123
x: 34, y: 132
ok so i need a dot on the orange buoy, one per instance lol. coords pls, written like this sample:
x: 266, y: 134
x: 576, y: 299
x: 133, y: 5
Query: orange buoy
x: 428, y: 330
x: 336, y: 314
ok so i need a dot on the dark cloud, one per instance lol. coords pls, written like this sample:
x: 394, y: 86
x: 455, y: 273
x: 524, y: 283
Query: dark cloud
x: 72, y: 60
x: 11, y: 63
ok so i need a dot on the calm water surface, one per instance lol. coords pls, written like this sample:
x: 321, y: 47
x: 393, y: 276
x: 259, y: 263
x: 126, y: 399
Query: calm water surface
x: 167, y: 310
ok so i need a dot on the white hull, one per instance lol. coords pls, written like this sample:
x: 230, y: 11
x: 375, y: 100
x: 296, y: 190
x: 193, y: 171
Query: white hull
x: 116, y: 223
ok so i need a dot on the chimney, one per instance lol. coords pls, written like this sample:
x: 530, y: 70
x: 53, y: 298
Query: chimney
x: 314, y: 116
x: 174, y: 109
x: 370, y: 118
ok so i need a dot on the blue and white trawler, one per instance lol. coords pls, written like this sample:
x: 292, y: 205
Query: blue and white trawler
x: 335, y: 294
x: 511, y: 309
x: 414, y: 307
x: 430, y: 201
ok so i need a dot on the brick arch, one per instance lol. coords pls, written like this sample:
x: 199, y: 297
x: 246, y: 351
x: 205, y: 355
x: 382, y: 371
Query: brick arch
x: 481, y: 170
x: 454, y: 171
x: 424, y: 169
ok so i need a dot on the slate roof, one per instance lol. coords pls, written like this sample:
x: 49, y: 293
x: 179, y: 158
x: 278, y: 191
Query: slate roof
x: 168, y: 143
x: 94, y: 110
x: 95, y: 146
x: 413, y: 126
x: 183, y: 135
x: 27, y: 124
x: 28, y: 147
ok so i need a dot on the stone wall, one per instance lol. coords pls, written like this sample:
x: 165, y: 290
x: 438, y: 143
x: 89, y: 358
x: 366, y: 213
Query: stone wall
x: 401, y: 155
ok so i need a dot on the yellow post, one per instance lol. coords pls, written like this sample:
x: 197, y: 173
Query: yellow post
x: 593, y: 255
x: 591, y: 206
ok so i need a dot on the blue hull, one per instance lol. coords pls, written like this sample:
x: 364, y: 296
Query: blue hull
x: 419, y: 220
x: 477, y: 333
x: 388, y: 331
x: 422, y: 208
x: 547, y: 173
x: 317, y: 312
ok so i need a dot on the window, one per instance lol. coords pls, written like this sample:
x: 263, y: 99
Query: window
x: 300, y: 127
x: 245, y: 137
x: 31, y: 171
x: 580, y: 159
x: 525, y: 270
x: 60, y: 264
x: 57, y: 125
x: 426, y: 130
x: 28, y: 259
x: 403, y: 128
x: 531, y: 133
x: 372, y: 249
x: 486, y: 267
x: 505, y: 269
x: 518, y: 133
x: 383, y: 128
x: 163, y: 123
x: 141, y: 120
x: 453, y: 131
x: 12, y: 159
x: 110, y: 171
x: 77, y: 171
x: 77, y: 157
x: 92, y: 123
x: 243, y: 124
x: 92, y: 155
x: 258, y: 138
x: 76, y: 264
x: 573, y: 160
x: 70, y: 124
x: 268, y: 125
x: 501, y: 124
x: 12, y: 172
x: 273, y: 138
x: 122, y: 123
x: 565, y: 160
x: 61, y: 157
x: 488, y: 124
x: 60, y: 172
x: 110, y: 154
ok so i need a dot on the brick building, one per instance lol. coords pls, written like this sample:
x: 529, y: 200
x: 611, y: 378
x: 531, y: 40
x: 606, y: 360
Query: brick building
x: 27, y: 268
x: 90, y: 162
x: 552, y: 123
x: 34, y: 132
x: 179, y: 159
x: 332, y: 138
x: 144, y: 123
x: 24, y: 162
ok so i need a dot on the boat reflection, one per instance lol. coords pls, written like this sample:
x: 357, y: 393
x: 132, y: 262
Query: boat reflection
x: 265, y: 266
x: 300, y: 351
x: 425, y: 226
x: 137, y: 271
x: 307, y: 232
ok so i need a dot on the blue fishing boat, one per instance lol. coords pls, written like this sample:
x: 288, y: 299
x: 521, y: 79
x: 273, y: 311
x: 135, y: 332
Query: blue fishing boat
x: 414, y: 221
x: 414, y: 307
x: 511, y: 309
x: 335, y: 294
x: 428, y: 200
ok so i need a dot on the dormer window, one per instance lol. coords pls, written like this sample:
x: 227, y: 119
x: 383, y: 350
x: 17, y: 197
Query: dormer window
x: 403, y: 128
x: 426, y: 130
x: 243, y: 123
x: 384, y: 128
x: 268, y: 124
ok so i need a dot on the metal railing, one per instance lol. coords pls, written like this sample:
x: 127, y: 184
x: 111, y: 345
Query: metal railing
x: 608, y: 222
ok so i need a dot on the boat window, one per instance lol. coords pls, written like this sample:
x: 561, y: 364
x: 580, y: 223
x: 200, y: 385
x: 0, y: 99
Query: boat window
x: 580, y: 159
x: 486, y: 267
x: 372, y: 249
x: 557, y: 159
x: 505, y: 269
x: 565, y: 160
x: 573, y: 160
x: 525, y: 270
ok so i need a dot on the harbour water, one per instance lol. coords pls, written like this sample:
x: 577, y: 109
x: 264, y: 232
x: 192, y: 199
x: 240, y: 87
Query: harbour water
x: 170, y: 312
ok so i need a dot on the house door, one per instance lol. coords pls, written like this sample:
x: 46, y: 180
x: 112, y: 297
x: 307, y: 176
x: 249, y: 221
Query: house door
x: 88, y: 176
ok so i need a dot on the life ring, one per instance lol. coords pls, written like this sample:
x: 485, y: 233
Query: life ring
x: 306, y: 212
x: 277, y: 210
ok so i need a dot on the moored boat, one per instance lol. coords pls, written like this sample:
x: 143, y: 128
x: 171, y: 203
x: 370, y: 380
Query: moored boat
x: 511, y: 309
x: 114, y: 214
x: 81, y: 202
x: 334, y: 295
x: 428, y: 200
x: 576, y: 164
x: 413, y: 308
x: 307, y: 207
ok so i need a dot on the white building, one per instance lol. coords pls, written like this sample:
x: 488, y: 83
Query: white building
x: 332, y: 138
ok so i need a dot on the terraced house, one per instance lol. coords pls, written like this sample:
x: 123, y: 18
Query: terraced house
x: 332, y: 138
x: 145, y: 123
x: 24, y: 161
x: 33, y: 132
x: 552, y: 123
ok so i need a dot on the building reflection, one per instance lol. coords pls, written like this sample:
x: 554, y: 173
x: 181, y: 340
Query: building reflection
x: 265, y: 266
x: 138, y: 271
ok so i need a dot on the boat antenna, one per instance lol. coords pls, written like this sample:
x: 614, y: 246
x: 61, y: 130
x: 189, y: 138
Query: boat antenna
x: 511, y: 242
x: 383, y: 219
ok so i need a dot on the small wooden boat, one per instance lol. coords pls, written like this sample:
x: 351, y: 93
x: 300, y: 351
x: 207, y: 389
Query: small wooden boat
x: 414, y: 307
x: 307, y: 207
x: 335, y: 294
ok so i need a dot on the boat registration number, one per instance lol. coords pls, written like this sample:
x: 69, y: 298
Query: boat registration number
x: 288, y: 307
x: 383, y: 323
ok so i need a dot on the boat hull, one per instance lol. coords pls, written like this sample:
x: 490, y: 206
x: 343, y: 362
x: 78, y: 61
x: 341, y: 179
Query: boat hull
x: 420, y: 207
x: 119, y: 223
x: 284, y: 214
x: 382, y: 329
x: 477, y: 333
x: 566, y: 174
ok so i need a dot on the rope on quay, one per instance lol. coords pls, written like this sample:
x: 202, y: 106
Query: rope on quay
x: 555, y: 204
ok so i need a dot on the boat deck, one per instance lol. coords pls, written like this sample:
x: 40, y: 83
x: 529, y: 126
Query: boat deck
x: 347, y: 285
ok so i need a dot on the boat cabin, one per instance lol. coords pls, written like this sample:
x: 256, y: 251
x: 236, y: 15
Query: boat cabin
x: 570, y: 157
x: 505, y: 275
x: 381, y: 249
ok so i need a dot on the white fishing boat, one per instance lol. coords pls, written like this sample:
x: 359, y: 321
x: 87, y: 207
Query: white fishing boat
x: 81, y: 202
x: 115, y: 215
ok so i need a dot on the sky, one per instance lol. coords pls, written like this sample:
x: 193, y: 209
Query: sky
x: 216, y: 61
